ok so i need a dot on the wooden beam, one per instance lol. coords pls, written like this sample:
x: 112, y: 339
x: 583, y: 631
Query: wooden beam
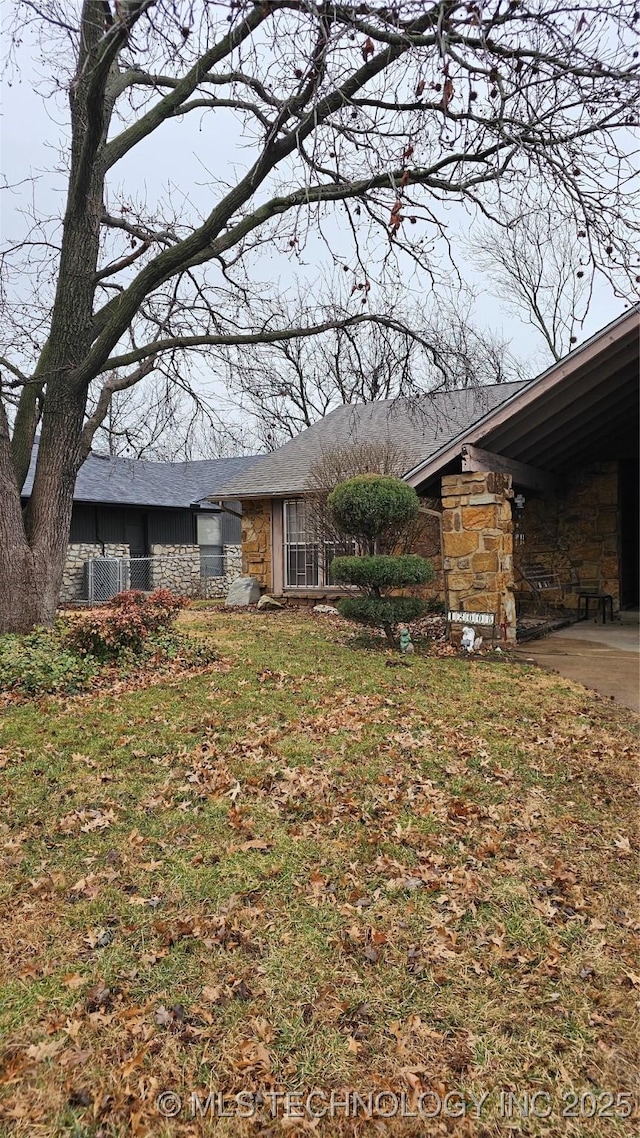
x: 485, y: 461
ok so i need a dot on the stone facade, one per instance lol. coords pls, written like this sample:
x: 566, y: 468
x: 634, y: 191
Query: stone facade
x: 77, y: 554
x: 257, y: 552
x: 428, y: 544
x: 256, y: 540
x: 574, y: 534
x: 175, y: 567
x: 219, y: 586
x: 477, y: 538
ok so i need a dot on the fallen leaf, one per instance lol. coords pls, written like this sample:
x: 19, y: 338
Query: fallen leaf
x: 40, y: 1051
x: 73, y: 980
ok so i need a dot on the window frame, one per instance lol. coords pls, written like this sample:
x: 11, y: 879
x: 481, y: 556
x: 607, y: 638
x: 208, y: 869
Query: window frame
x: 212, y: 560
x: 316, y: 554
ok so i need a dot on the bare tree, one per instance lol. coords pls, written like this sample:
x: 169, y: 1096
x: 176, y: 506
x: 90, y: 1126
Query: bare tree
x: 542, y: 269
x: 381, y: 117
x: 285, y: 387
x: 157, y: 419
x: 349, y: 459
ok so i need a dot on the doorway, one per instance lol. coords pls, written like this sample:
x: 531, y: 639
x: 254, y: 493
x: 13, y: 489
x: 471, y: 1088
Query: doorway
x: 135, y: 536
x: 629, y: 512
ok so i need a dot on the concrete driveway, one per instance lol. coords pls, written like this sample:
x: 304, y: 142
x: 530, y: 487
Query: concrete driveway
x: 603, y: 657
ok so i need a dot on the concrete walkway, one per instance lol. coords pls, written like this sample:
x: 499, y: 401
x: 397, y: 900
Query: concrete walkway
x: 604, y: 657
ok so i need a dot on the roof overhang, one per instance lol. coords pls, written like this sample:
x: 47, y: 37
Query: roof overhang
x: 584, y: 408
x: 256, y: 495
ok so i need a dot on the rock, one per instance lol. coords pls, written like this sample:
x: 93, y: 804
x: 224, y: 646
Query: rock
x: 328, y: 610
x: 243, y: 591
x: 268, y: 603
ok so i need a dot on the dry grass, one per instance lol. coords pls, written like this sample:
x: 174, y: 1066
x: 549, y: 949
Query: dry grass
x: 302, y: 869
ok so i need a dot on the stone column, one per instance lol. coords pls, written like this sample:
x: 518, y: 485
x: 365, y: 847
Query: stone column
x: 477, y: 538
x: 256, y: 540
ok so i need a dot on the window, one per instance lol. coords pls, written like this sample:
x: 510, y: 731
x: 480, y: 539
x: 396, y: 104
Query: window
x: 209, y: 528
x: 307, y: 557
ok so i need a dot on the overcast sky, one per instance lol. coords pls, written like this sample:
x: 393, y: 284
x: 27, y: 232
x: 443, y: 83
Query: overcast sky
x: 184, y: 156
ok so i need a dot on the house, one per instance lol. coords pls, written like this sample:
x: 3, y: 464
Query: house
x: 153, y: 523
x: 536, y: 484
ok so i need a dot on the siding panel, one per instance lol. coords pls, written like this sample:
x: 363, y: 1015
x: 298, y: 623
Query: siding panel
x: 171, y: 527
x: 83, y: 523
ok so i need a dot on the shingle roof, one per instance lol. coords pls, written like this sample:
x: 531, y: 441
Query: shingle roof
x: 420, y: 428
x: 134, y: 482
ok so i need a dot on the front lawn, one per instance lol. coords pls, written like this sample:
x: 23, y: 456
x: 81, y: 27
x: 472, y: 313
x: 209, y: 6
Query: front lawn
x: 304, y: 870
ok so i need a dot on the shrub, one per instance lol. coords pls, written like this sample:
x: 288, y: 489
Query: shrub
x: 157, y: 610
x: 382, y: 572
x: 39, y: 663
x: 134, y: 630
x: 124, y: 624
x: 381, y: 612
x: 370, y: 506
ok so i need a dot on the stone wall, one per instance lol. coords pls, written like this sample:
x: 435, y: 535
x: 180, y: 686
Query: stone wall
x: 477, y: 536
x: 574, y: 534
x: 77, y: 554
x: 256, y: 540
x: 175, y: 567
x: 427, y: 544
x: 215, y: 587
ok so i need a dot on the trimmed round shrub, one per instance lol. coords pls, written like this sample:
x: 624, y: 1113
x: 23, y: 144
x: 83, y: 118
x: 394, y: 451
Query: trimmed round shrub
x: 382, y: 612
x: 368, y: 506
x: 381, y: 572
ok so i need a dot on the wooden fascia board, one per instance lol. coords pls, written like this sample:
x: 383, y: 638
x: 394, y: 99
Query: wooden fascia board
x: 258, y: 495
x: 590, y: 386
x: 474, y: 458
x: 522, y: 399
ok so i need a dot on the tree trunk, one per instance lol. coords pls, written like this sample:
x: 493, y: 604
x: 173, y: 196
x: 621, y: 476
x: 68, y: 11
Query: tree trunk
x: 20, y: 605
x: 19, y: 602
x: 33, y: 543
x: 29, y: 597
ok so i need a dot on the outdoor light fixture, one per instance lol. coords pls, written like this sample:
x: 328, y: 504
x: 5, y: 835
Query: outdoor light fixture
x: 519, y: 502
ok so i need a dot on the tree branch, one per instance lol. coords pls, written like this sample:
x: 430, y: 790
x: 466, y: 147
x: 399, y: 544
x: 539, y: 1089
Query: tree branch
x: 169, y: 106
x: 265, y: 336
x: 104, y: 400
x: 123, y: 263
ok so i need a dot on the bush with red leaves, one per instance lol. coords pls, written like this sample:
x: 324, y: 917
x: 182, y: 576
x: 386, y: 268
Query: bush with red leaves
x: 124, y: 623
x: 157, y: 610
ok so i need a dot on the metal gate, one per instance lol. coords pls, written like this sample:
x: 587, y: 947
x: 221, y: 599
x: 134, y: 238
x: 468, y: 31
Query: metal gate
x: 104, y: 577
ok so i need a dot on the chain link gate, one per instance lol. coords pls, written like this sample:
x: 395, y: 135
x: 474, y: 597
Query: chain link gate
x: 190, y: 575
